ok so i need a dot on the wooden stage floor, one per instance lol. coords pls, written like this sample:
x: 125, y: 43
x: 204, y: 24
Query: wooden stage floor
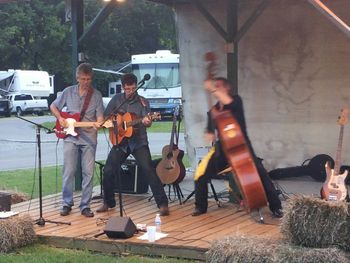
x: 188, y: 236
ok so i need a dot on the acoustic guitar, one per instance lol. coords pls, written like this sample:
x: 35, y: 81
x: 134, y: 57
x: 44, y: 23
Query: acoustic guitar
x: 238, y: 153
x: 125, y: 124
x: 171, y: 169
x: 73, y: 122
x: 334, y: 188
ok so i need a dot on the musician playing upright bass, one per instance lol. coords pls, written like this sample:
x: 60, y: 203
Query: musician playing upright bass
x: 216, y: 161
x: 137, y: 145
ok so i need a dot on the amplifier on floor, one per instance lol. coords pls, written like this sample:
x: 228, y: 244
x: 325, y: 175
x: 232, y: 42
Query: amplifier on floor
x: 132, y: 179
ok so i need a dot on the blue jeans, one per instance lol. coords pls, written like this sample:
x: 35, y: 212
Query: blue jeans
x: 72, y: 154
x: 143, y: 159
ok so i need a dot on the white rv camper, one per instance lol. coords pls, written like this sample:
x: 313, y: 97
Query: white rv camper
x: 37, y: 83
x: 163, y: 90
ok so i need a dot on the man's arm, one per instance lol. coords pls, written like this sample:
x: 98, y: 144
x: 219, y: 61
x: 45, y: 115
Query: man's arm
x: 58, y: 116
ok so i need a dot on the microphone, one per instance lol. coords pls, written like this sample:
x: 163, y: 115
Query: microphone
x: 145, y: 78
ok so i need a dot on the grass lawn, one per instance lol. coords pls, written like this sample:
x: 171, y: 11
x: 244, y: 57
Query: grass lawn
x: 27, y: 180
x: 38, y: 253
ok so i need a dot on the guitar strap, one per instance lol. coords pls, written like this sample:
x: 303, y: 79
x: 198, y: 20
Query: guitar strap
x: 86, y: 103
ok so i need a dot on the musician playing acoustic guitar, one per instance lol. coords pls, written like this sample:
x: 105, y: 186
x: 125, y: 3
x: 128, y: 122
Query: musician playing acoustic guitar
x: 137, y: 145
x: 216, y: 160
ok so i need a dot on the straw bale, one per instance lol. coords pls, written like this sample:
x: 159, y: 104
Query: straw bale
x: 16, y: 232
x: 240, y: 249
x: 317, y: 223
x: 314, y: 255
x: 16, y: 197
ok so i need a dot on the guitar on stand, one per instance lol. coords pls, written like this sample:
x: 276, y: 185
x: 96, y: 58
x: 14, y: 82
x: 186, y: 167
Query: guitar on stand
x: 171, y: 169
x: 334, y: 188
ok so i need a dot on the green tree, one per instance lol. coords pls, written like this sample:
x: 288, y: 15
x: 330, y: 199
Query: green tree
x: 34, y: 35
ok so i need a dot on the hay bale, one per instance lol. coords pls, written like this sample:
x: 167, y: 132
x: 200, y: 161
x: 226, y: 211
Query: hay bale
x: 16, y: 197
x: 16, y: 232
x: 241, y: 249
x: 307, y: 255
x: 313, y: 222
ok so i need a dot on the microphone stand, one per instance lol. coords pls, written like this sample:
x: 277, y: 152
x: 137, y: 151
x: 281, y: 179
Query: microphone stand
x: 115, y: 130
x: 41, y: 221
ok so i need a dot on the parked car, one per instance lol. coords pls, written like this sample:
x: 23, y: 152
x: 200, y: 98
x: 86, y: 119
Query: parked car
x: 5, y: 106
x: 25, y: 103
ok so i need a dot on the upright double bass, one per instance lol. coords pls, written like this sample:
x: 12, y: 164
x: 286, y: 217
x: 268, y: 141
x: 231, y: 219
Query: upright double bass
x: 237, y: 152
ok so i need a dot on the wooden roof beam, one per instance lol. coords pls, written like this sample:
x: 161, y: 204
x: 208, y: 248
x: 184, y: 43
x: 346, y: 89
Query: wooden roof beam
x: 331, y: 16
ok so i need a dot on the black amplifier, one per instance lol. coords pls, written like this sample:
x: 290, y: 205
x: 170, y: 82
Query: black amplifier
x: 132, y: 179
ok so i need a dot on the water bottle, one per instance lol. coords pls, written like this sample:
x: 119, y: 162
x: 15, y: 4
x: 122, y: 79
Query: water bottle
x: 158, y: 222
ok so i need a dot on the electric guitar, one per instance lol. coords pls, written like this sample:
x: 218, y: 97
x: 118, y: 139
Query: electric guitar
x: 73, y: 122
x: 334, y: 188
x: 124, y: 123
x: 170, y: 169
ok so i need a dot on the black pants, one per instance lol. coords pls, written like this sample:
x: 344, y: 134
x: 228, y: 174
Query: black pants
x: 144, y: 161
x: 217, y: 163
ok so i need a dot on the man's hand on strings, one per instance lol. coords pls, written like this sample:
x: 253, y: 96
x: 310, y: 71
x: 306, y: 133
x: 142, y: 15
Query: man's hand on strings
x: 63, y: 122
x: 99, y: 123
x: 147, y: 121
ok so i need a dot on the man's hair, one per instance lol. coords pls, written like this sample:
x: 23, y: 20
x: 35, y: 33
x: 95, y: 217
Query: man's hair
x: 84, y: 68
x: 129, y: 79
x: 226, y: 83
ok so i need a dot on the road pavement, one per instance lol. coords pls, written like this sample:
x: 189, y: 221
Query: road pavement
x: 18, y: 144
x: 18, y: 150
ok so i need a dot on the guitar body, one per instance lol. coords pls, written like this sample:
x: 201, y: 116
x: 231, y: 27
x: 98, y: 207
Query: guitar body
x: 125, y: 123
x: 62, y: 132
x: 123, y: 129
x: 334, y: 188
x: 240, y: 159
x: 171, y: 169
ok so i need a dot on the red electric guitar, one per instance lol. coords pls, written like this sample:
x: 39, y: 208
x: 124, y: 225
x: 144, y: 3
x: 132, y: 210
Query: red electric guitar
x: 73, y: 122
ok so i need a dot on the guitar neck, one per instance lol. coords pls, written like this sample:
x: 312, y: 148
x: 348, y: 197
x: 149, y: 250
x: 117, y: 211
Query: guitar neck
x: 339, y: 149
x: 133, y: 122
x: 84, y: 124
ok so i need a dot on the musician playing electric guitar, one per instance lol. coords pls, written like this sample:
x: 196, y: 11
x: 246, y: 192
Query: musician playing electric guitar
x: 84, y: 100
x: 137, y: 145
x: 216, y: 160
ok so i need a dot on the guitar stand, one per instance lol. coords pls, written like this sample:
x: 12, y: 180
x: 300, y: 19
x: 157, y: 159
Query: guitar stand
x: 177, y: 192
x: 261, y: 217
x: 214, y: 194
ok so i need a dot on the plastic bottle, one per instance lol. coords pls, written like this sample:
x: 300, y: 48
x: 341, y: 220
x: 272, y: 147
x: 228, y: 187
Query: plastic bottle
x: 158, y: 223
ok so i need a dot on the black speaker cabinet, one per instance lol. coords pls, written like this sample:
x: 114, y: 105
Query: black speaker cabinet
x: 120, y: 227
x: 5, y: 201
x: 132, y: 179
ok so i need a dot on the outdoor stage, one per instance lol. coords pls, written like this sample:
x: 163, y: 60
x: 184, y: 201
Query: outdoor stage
x: 188, y: 236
